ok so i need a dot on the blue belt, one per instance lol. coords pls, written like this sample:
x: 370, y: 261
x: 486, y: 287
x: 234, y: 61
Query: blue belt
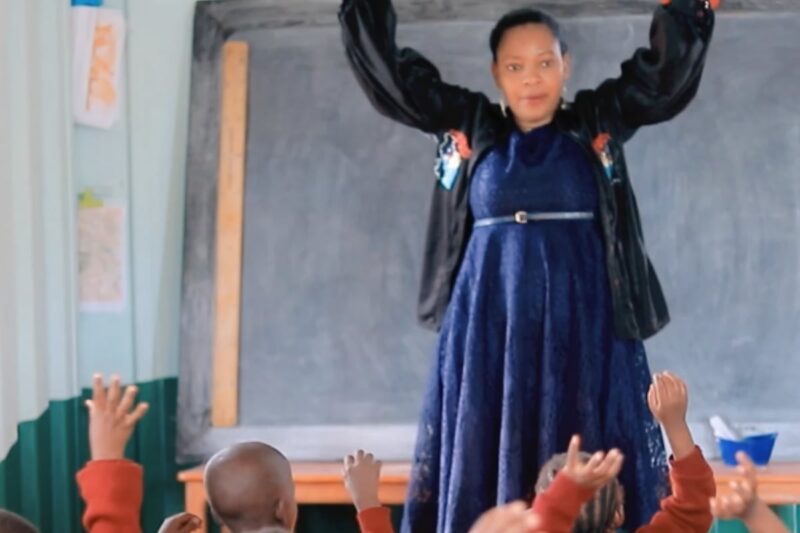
x: 523, y: 217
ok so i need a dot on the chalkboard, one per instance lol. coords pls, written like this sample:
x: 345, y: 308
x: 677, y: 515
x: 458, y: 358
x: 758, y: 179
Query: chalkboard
x: 336, y: 201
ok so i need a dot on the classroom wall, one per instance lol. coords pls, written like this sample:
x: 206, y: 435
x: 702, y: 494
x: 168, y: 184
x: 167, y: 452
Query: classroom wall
x: 138, y: 163
x: 37, y: 256
x: 48, y: 349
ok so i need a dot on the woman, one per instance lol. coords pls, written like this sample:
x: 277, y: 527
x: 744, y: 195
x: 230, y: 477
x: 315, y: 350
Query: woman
x: 535, y: 270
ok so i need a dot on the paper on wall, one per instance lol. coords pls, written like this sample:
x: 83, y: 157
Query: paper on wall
x: 98, y: 46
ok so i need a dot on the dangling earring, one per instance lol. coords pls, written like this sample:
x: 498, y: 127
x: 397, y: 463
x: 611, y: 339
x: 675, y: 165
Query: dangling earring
x: 503, y: 107
x: 564, y: 104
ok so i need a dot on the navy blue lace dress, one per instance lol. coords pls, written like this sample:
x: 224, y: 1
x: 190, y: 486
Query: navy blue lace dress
x: 527, y: 355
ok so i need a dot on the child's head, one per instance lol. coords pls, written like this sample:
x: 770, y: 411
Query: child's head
x: 602, y: 514
x: 530, y: 65
x: 250, y: 488
x: 13, y: 523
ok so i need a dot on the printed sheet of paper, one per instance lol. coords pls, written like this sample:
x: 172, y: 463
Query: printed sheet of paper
x: 98, y: 46
x: 102, y: 259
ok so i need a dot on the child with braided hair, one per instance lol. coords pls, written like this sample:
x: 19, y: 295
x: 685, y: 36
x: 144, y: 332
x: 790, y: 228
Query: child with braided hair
x: 567, y: 502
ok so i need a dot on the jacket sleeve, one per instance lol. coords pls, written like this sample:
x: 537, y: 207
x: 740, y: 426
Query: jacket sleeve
x: 112, y: 491
x: 401, y: 83
x: 688, y: 509
x: 658, y: 82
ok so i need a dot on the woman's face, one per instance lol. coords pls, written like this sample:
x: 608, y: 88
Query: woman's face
x: 531, y: 72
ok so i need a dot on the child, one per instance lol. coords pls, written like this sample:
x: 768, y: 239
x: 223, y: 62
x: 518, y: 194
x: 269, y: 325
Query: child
x: 250, y: 487
x: 745, y: 504
x: 362, y: 479
x: 601, y: 508
x: 111, y: 485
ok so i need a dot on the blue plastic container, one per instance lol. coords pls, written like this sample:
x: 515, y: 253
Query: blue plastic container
x: 758, y: 447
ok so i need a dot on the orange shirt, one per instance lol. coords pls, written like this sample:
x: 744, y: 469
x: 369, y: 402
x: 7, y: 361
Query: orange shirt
x: 687, y: 510
x: 113, y: 494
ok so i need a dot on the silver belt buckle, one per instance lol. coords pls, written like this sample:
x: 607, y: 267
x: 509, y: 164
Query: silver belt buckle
x: 521, y: 217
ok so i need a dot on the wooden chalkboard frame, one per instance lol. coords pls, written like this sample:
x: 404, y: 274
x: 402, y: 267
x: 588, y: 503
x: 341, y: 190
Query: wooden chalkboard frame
x: 208, y: 391
x: 230, y: 224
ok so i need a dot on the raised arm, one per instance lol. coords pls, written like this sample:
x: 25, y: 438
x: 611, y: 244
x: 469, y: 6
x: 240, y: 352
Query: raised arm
x: 688, y: 509
x: 658, y: 82
x: 362, y: 475
x: 401, y: 83
x: 112, y: 486
x: 744, y: 504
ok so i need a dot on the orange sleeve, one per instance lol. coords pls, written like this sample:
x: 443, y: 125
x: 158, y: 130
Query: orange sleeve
x: 112, y: 491
x: 688, y: 509
x: 559, y: 506
x: 375, y: 520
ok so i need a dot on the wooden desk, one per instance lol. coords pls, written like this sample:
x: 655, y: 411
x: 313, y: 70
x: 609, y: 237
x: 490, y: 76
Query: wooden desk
x: 321, y: 483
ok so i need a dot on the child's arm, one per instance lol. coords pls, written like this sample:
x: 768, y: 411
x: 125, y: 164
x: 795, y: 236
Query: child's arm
x: 511, y: 518
x: 692, y: 479
x: 668, y: 399
x: 110, y: 485
x: 559, y: 506
x: 658, y: 82
x: 362, y: 475
x: 745, y: 504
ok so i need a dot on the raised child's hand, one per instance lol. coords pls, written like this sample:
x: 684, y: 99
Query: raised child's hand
x: 111, y: 420
x: 668, y: 400
x: 598, y: 471
x: 362, y: 478
x: 741, y: 502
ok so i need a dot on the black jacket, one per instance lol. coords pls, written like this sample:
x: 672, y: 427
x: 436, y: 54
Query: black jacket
x: 655, y: 85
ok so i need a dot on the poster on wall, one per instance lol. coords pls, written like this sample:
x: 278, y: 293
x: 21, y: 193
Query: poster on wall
x: 98, y: 43
x: 102, y: 262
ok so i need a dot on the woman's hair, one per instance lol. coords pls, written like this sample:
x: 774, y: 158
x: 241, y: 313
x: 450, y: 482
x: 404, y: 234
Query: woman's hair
x: 520, y: 17
x: 597, y: 515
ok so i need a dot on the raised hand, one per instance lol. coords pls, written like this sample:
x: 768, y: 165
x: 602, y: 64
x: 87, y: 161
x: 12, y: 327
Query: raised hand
x: 741, y: 502
x: 668, y: 399
x: 112, y: 418
x: 598, y: 471
x: 362, y: 479
x: 744, y: 504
